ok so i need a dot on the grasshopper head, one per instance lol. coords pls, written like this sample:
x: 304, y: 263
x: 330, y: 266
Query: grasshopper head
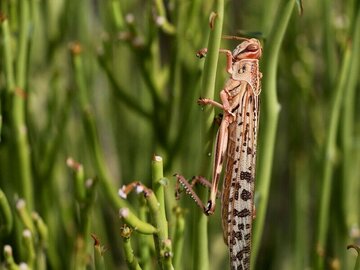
x: 248, y: 49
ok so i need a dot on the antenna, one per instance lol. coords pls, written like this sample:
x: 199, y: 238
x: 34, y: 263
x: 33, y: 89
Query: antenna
x: 234, y: 37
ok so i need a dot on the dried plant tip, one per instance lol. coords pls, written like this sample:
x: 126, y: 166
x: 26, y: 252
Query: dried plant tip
x: 124, y: 212
x: 355, y: 232
x: 125, y: 231
x: 27, y: 233
x: 147, y: 192
x: 20, y: 92
x: 124, y: 35
x: 3, y: 17
x: 129, y: 18
x: 168, y: 254
x: 157, y: 158
x: 320, y: 250
x: 23, y: 266
x: 160, y: 20
x: 96, y: 239
x: 335, y: 264
x: 212, y: 18
x: 122, y: 192
x: 89, y: 183
x: 8, y: 250
x: 201, y: 53
x: 139, y: 188
x: 357, y: 248
x: 70, y: 162
x: 20, y: 204
x: 138, y: 42
x: 167, y: 242
x: 75, y: 48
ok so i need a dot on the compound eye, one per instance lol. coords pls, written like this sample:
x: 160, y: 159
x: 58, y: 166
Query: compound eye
x: 242, y: 69
x: 252, y: 47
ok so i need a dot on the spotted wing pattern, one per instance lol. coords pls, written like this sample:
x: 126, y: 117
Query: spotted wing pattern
x: 238, y: 187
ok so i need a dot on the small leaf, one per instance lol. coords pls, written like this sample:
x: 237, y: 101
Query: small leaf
x: 164, y: 181
x: 212, y: 18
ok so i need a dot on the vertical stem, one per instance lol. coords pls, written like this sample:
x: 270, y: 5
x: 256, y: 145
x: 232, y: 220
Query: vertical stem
x: 23, y: 44
x: 158, y: 187
x: 178, y: 238
x: 350, y: 183
x: 159, y: 215
x: 144, y: 245
x: 130, y: 259
x: 22, y: 151
x: 8, y: 56
x: 329, y: 35
x: 5, y: 215
x: 268, y: 122
x: 301, y: 218
x: 16, y: 86
x: 91, y: 131
x: 201, y: 261
x: 329, y: 158
x: 117, y: 14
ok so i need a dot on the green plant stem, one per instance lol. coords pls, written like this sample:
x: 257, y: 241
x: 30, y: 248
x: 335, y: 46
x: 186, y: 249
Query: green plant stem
x: 330, y: 153
x: 144, y: 245
x: 301, y: 179
x: 120, y: 93
x: 23, y: 44
x: 351, y: 183
x: 18, y: 108
x: 22, y: 150
x: 52, y: 148
x: 117, y: 14
x: 85, y: 198
x: 9, y: 71
x: 158, y: 188
x: 201, y: 261
x: 167, y: 255
x: 99, y: 259
x: 24, y: 215
x: 6, y: 217
x: 357, y: 249
x: 97, y: 153
x: 86, y: 205
x: 41, y: 229
x: 178, y: 238
x: 98, y: 254
x: 330, y: 50
x: 8, y: 55
x: 165, y: 25
x: 9, y: 259
x: 78, y: 258
x: 42, y: 243
x: 130, y: 259
x: 1, y: 120
x: 134, y: 222
x: 268, y: 122
x: 161, y: 237
x: 28, y: 245
x: 80, y: 191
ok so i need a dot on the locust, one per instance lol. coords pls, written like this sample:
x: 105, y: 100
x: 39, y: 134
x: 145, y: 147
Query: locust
x: 235, y: 147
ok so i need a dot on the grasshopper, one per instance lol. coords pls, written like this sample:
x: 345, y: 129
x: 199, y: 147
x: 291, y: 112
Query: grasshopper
x: 235, y: 145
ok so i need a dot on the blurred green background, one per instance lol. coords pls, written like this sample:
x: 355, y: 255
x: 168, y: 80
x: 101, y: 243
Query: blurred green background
x: 91, y: 90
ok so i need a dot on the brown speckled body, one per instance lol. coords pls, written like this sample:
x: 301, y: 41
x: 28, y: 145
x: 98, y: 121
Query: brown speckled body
x: 238, y: 184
